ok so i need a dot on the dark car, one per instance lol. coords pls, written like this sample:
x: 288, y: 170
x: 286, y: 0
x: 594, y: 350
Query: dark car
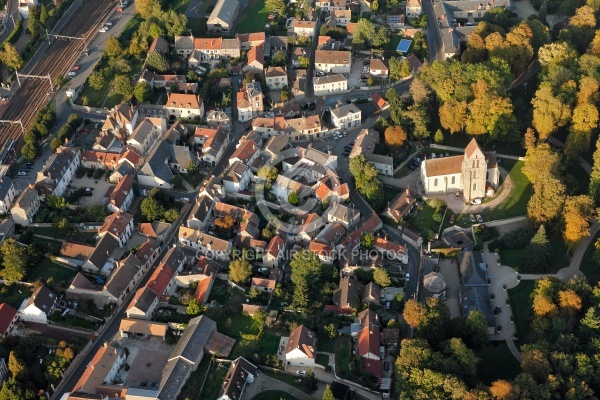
x: 386, y: 366
x: 366, y: 62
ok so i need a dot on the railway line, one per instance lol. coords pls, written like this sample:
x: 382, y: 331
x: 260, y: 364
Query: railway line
x: 56, y: 60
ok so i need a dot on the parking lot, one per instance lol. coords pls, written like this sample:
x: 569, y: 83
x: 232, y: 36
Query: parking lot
x: 99, y: 186
x: 355, y: 73
x: 147, y: 358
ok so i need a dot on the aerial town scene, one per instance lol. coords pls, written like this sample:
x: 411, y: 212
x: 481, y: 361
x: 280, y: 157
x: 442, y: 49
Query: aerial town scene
x: 299, y: 199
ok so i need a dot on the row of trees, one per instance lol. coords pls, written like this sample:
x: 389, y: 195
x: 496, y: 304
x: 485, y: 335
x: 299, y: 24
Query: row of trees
x: 40, y: 129
x: 367, y: 181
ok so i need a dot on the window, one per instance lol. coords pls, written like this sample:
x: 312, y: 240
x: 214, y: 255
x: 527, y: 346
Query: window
x: 474, y: 186
x: 435, y: 182
x: 453, y: 180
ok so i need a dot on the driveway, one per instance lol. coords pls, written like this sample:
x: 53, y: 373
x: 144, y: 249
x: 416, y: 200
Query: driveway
x: 354, y: 79
x: 99, y: 186
x: 263, y: 383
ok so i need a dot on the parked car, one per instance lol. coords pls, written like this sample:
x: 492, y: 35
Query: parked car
x: 407, y: 277
x: 367, y: 62
x: 472, y: 218
x: 72, y: 73
x: 85, y: 130
x: 96, y: 125
x: 337, y: 139
x: 452, y: 219
x: 476, y: 201
x: 75, y: 68
x: 103, y: 29
x: 479, y: 218
x: 344, y: 134
x: 433, y: 155
x: 301, y: 372
x: 108, y: 23
x: 22, y: 173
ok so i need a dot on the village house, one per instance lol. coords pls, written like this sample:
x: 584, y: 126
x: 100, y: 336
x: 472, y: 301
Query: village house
x: 241, y: 373
x: 274, y: 44
x: 330, y: 84
x: 201, y: 213
x: 365, y: 145
x: 100, y: 260
x: 249, y: 40
x: 256, y: 60
x: 184, y: 45
x: 237, y: 178
x: 185, y: 105
x: 345, y: 297
x: 160, y: 80
x: 103, y: 368
x: 414, y: 8
x: 262, y: 284
x: 302, y: 28
x: 121, y: 196
x: 100, y: 159
x: 121, y: 120
x: 144, y: 304
x: 60, y: 169
x: 330, y: 5
x: 146, y: 133
x: 340, y: 17
x: 302, y: 128
x: 369, y: 342
x: 348, y: 217
x: 250, y: 102
x: 301, y: 348
x: 274, y: 252
x: 213, y: 141
x: 208, y: 244
x: 325, y: 252
x: 400, y: 205
x: 118, y: 224
x: 395, y: 22
x: 39, y: 306
x: 331, y: 61
x: 216, y: 118
x: 25, y: 207
x: 378, y: 68
x: 276, y: 77
x: 346, y: 117
x: 223, y: 16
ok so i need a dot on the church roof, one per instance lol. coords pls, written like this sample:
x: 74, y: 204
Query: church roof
x: 471, y: 148
x: 444, y: 166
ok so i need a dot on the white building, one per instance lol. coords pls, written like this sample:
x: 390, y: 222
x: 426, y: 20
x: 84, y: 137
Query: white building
x: 122, y: 195
x: 346, y: 117
x: 119, y: 225
x: 7, y: 193
x: 60, y: 168
x: 333, y: 61
x: 301, y: 349
x: 39, y: 306
x: 237, y: 178
x: 276, y: 78
x: 413, y: 8
x: 146, y: 133
x: 366, y: 142
x: 181, y: 105
x: 25, y: 207
x: 330, y: 84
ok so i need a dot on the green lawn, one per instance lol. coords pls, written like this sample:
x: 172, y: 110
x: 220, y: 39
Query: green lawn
x: 325, y: 344
x: 588, y: 266
x: 393, y: 43
x: 214, y: 381
x: 198, y: 26
x: 522, y: 307
x: 52, y: 274
x: 254, y: 19
x: 113, y: 99
x: 424, y: 223
x: 497, y: 362
x: 14, y: 295
x: 269, y: 343
x: 274, y: 395
x: 237, y: 324
x: 95, y: 97
x: 179, y: 6
x: 292, y: 380
x: 514, y: 257
x: 516, y: 203
x: 218, y: 292
x: 132, y: 26
x: 69, y: 320
x: 343, y: 357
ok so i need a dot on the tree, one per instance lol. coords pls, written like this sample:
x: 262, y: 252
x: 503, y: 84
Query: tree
x: 419, y: 91
x: 284, y: 94
x: 381, y: 277
x: 303, y: 62
x: 225, y: 222
x: 43, y: 14
x: 502, y: 390
x: 293, y: 198
x: 142, y: 92
x: 13, y: 260
x: 367, y: 241
x: 11, y: 57
x: 16, y: 366
x: 272, y: 5
x: 152, y: 209
x: 595, y: 175
x: 537, y: 253
x: 364, y: 32
x: 382, y: 38
x: 453, y: 115
x: 541, y: 162
x: 33, y: 23
x: 124, y: 85
x: 96, y: 80
x: 546, y: 203
x: 367, y: 181
x: 55, y: 143
x: 171, y: 215
x: 28, y: 151
x: 328, y: 394
x: 194, y: 308
x: 55, y: 202
x: 112, y: 47
x: 157, y: 62
x: 11, y: 390
x: 279, y: 59
x: 394, y: 137
x: 147, y: 8
x: 536, y: 364
x: 331, y: 331
x: 414, y: 312
x: 576, y: 214
x: 439, y: 136
x: 550, y: 112
x: 268, y: 173
x: 306, y: 273
x: 240, y: 270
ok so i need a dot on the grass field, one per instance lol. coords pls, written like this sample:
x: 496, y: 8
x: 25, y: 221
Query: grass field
x: 343, y: 357
x: 254, y: 19
x: 497, y: 362
x: 325, y: 344
x: 588, y: 266
x: 52, y: 274
x: 14, y: 295
x: 192, y: 387
x: 522, y: 307
x: 198, y: 26
x: 292, y: 380
x: 269, y: 343
x: 218, y: 292
x: 237, y: 324
x: 514, y: 257
x: 323, y: 359
x: 274, y: 395
x: 424, y: 223
x: 516, y: 203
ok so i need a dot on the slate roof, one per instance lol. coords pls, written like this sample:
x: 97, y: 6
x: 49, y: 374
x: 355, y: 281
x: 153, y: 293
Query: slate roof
x: 303, y: 339
x: 5, y: 185
x: 346, y: 295
x: 194, y: 338
x: 156, y: 165
x: 43, y: 299
x: 104, y: 248
x: 236, y: 378
x: 143, y: 299
x: 472, y: 268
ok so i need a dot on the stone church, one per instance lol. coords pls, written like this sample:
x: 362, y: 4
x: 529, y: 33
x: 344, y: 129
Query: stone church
x: 475, y: 173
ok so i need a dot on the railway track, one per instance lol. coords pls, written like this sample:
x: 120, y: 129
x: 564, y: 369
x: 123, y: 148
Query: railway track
x: 57, y: 60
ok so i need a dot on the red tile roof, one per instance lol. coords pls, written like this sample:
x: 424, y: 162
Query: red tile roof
x: 203, y: 289
x: 379, y: 100
x: 146, y: 250
x: 116, y: 223
x: 160, y: 279
x: 262, y: 282
x: 7, y: 315
x: 208, y: 43
x: 131, y: 156
x: 256, y: 54
x: 245, y: 151
x: 275, y: 246
x: 121, y: 190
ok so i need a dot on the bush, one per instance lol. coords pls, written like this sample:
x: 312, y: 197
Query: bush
x: 518, y: 239
x: 98, y: 173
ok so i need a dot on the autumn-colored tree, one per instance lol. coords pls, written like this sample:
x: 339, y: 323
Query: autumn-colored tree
x: 381, y: 277
x: 548, y: 197
x: 453, y: 115
x: 595, y: 175
x: 502, y: 390
x: 577, y: 213
x: 414, y: 313
x: 536, y: 364
x: 543, y: 305
x: 395, y: 136
x: 549, y: 110
x: 419, y: 91
x: 225, y: 222
x: 147, y: 8
x: 240, y: 270
x: 529, y: 139
x: 569, y: 300
x: 541, y: 161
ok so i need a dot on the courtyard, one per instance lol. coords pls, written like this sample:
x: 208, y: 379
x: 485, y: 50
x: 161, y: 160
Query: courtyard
x: 147, y: 358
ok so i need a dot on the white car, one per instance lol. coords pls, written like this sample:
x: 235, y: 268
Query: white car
x: 103, y: 29
x: 433, y: 155
x: 72, y: 73
x: 301, y: 372
x: 407, y: 277
x: 365, y: 70
x: 108, y: 24
x: 476, y: 201
x: 22, y: 173
x: 344, y: 134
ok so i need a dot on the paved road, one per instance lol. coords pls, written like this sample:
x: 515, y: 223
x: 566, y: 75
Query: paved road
x: 311, y: 65
x: 12, y: 16
x: 112, y: 327
x: 434, y: 37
